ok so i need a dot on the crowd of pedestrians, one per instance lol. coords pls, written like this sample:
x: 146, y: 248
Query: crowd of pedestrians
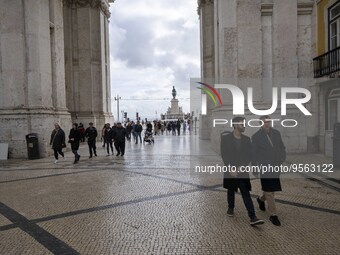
x: 264, y: 148
x: 111, y: 136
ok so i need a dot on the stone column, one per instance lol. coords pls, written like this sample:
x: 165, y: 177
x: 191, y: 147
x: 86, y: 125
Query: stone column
x: 305, y: 53
x: 206, y: 15
x: 87, y: 61
x: 238, y: 55
x: 31, y: 73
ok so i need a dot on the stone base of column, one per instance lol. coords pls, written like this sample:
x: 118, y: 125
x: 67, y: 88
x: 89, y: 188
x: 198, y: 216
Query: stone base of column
x: 16, y: 124
x: 204, y: 127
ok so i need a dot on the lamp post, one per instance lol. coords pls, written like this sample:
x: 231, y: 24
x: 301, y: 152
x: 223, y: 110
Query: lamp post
x: 117, y: 99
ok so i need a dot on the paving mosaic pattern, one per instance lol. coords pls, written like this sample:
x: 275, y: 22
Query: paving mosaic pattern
x: 149, y: 202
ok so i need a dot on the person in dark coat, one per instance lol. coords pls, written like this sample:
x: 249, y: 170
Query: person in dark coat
x: 178, y: 126
x: 236, y: 152
x: 173, y: 127
x: 74, y: 139
x: 119, y: 134
x: 268, y: 150
x: 108, y: 139
x: 128, y: 131
x: 149, y: 127
x: 138, y: 132
x: 57, y: 141
x: 91, y: 134
x: 168, y: 128
x: 82, y: 131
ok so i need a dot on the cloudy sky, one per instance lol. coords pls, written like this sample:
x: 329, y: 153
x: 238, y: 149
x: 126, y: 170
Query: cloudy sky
x: 154, y: 45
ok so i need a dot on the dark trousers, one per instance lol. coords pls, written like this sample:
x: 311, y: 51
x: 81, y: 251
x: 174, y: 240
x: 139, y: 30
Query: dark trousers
x: 92, y: 147
x: 120, y: 147
x: 108, y: 146
x: 56, y: 153
x: 76, y: 155
x: 138, y: 134
x: 245, y: 196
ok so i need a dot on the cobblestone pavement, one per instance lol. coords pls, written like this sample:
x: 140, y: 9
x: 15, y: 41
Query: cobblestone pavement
x: 149, y: 202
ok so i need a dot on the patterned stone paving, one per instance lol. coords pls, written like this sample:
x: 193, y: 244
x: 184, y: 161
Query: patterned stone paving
x: 149, y: 202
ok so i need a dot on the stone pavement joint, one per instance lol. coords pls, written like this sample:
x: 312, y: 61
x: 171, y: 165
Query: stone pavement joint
x: 50, y: 242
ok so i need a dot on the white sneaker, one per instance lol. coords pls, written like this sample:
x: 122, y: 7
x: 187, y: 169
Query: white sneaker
x: 63, y: 158
x: 55, y: 162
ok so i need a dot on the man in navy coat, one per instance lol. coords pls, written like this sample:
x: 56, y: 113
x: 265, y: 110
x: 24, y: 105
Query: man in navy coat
x: 236, y: 152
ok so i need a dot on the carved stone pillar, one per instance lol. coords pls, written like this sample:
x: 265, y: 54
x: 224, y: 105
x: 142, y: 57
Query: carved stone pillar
x: 32, y: 86
x: 87, y: 60
x: 206, y: 14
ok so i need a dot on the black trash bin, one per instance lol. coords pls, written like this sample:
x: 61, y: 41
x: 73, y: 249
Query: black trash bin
x: 32, y: 146
x: 336, y: 145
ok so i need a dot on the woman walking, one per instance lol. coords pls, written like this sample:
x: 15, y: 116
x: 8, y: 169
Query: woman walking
x: 57, y: 141
x: 74, y: 138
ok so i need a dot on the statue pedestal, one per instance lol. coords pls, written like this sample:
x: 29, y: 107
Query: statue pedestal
x: 174, y: 106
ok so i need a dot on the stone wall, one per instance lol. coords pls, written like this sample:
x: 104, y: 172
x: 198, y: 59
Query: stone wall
x: 263, y: 44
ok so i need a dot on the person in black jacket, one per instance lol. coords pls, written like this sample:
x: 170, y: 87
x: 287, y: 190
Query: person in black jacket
x: 138, y: 132
x: 74, y: 139
x: 268, y: 150
x: 91, y: 134
x: 108, y: 139
x: 118, y: 135
x: 178, y: 126
x: 128, y: 131
x: 236, y: 152
x: 57, y: 141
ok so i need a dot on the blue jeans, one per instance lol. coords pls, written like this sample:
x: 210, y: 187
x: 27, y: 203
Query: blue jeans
x: 138, y: 134
x: 245, y: 196
x: 76, y: 155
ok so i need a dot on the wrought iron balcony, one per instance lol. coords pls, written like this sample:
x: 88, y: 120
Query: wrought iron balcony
x: 327, y: 63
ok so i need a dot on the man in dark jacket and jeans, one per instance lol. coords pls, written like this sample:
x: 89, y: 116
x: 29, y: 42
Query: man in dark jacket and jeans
x: 91, y: 134
x: 74, y: 139
x: 118, y: 135
x: 268, y: 150
x: 58, y: 142
x: 236, y: 152
x: 138, y: 132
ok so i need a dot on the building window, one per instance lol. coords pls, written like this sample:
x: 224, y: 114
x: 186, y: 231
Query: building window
x: 334, y: 26
x: 333, y: 108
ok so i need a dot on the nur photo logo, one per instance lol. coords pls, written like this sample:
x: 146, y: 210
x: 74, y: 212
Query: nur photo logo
x: 238, y: 101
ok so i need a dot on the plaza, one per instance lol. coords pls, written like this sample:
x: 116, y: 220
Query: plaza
x: 148, y: 202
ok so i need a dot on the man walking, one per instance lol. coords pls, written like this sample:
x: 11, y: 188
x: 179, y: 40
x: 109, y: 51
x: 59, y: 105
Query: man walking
x: 236, y: 152
x: 178, y: 126
x: 128, y: 131
x: 91, y: 134
x: 74, y: 139
x: 108, y: 139
x: 138, y: 132
x: 57, y: 141
x: 119, y: 134
x: 268, y: 150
